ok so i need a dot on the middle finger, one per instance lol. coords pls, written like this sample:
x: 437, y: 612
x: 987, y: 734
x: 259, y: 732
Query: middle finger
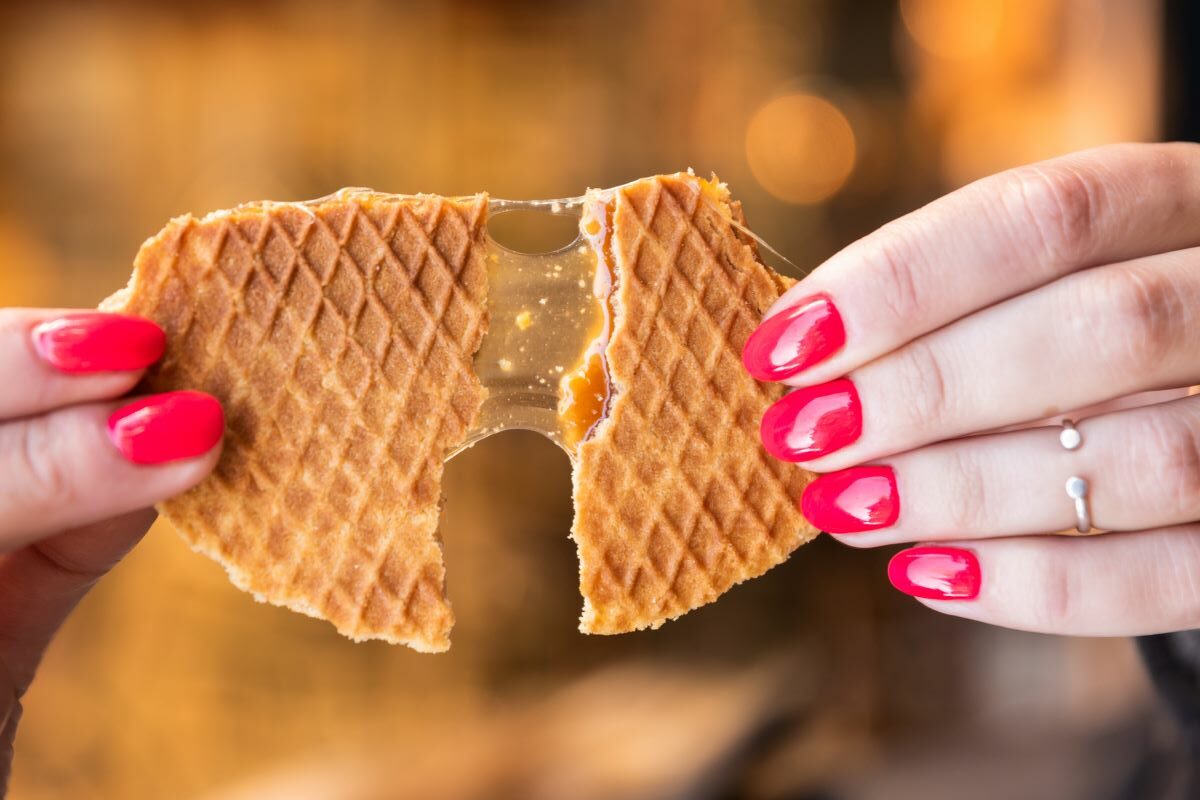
x: 1090, y: 337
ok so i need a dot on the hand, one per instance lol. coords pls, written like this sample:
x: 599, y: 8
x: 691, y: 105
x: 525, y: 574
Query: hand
x: 1020, y: 297
x: 79, y: 471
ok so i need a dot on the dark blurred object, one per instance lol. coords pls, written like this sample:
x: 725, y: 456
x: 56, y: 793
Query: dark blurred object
x: 1181, y: 70
x: 1170, y: 766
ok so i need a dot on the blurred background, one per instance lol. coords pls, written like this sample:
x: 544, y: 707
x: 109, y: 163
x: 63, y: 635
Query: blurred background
x: 827, y: 119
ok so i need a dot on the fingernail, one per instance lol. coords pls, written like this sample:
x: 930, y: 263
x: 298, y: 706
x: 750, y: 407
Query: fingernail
x: 167, y: 427
x: 811, y: 422
x: 98, y: 342
x: 794, y: 339
x: 936, y: 573
x: 852, y: 500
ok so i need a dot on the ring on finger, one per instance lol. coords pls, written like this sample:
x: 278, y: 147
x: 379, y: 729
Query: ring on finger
x: 1077, y: 487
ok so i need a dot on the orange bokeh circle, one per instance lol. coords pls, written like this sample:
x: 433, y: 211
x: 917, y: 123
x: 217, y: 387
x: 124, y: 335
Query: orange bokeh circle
x: 800, y: 148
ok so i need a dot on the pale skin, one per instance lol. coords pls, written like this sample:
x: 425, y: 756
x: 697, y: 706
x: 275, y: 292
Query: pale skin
x: 1053, y: 287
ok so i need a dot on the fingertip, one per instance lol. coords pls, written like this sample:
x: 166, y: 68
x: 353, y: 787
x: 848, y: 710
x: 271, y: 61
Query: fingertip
x: 751, y: 357
x: 166, y: 443
x: 191, y: 471
x: 168, y: 427
x: 855, y: 500
x: 805, y: 333
x: 897, y: 570
x: 808, y: 424
x: 848, y: 541
x: 90, y: 342
x: 858, y: 541
x: 759, y: 353
x: 772, y: 431
x: 936, y: 573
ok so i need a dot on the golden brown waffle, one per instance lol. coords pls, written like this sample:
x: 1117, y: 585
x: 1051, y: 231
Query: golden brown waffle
x: 675, y: 498
x: 339, y: 335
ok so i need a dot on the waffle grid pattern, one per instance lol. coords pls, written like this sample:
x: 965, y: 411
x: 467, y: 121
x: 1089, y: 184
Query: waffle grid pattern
x: 700, y: 506
x: 339, y: 336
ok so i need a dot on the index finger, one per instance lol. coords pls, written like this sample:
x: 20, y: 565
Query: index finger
x: 996, y: 238
x: 52, y: 358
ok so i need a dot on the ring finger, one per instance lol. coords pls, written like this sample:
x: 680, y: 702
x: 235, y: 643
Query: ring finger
x: 1142, y: 467
x: 1092, y: 336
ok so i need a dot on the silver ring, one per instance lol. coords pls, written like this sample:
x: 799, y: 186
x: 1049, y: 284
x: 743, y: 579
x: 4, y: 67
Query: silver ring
x: 1077, y: 490
x: 1077, y: 487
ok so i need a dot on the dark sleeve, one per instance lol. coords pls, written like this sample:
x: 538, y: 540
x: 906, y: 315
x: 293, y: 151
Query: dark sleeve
x: 1173, y: 662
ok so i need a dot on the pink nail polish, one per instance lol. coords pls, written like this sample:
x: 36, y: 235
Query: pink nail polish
x: 167, y: 427
x: 852, y: 500
x: 811, y: 422
x: 794, y: 339
x: 936, y: 573
x: 97, y: 342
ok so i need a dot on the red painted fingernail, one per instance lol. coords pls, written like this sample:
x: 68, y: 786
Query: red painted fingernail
x: 936, y: 573
x: 812, y: 422
x: 794, y: 339
x: 852, y: 500
x: 98, y: 342
x: 167, y: 427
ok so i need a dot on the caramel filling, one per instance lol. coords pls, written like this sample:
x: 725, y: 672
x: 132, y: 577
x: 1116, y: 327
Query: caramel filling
x: 543, y: 359
x: 586, y: 391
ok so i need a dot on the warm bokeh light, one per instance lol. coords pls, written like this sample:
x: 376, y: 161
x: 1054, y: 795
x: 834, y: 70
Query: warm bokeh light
x: 997, y: 83
x: 27, y: 274
x: 953, y: 29
x: 800, y: 147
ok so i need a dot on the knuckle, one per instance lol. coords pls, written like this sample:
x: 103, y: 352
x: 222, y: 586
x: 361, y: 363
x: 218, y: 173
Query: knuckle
x: 46, y: 478
x: 925, y: 378
x: 891, y: 251
x: 1061, y: 202
x: 1146, y: 310
x: 1174, y: 445
x: 1054, y: 597
x: 967, y: 509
